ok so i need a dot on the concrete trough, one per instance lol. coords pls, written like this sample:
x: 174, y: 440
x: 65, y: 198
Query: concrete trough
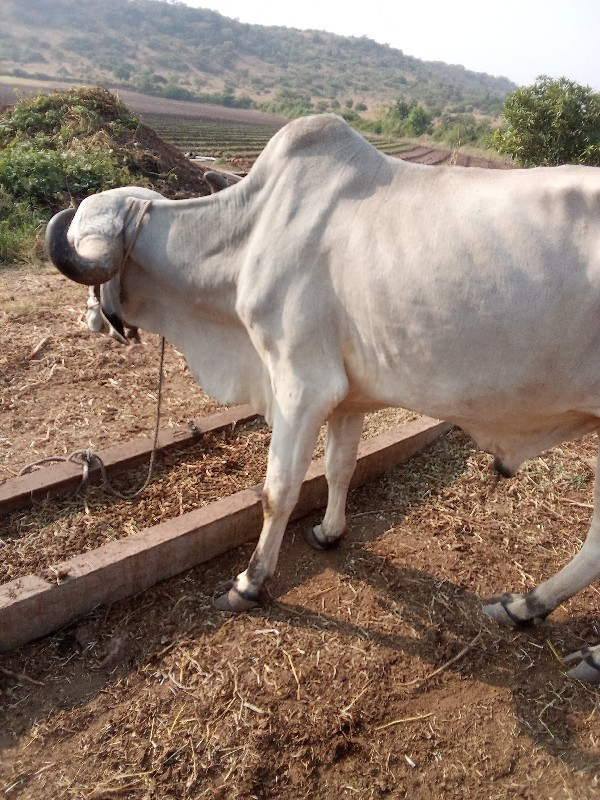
x: 64, y: 477
x: 37, y: 605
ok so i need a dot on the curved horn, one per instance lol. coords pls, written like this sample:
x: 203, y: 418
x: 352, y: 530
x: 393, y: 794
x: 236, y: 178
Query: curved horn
x: 66, y: 259
x: 216, y: 181
x: 220, y: 180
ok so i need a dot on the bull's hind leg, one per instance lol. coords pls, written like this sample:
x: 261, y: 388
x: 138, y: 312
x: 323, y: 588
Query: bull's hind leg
x: 522, y: 610
x: 343, y: 436
x: 587, y: 664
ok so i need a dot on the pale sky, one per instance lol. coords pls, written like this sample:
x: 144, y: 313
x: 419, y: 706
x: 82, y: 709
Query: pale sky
x: 519, y: 39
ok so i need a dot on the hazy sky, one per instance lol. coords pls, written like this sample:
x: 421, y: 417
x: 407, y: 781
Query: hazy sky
x: 519, y: 39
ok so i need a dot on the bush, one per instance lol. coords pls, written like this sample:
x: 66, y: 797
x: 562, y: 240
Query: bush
x: 57, y: 148
x: 45, y: 176
x: 20, y: 224
x: 457, y: 130
x: 551, y: 122
x: 407, y: 119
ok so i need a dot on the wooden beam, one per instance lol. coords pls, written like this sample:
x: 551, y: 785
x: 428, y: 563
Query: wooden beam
x: 64, y: 477
x: 33, y: 606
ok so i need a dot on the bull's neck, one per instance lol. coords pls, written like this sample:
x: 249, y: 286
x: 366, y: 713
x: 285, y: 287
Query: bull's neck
x: 194, y: 247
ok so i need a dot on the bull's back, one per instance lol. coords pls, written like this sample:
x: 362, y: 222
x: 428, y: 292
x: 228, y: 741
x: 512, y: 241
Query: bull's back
x: 471, y: 289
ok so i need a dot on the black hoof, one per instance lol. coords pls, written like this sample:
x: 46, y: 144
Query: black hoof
x: 497, y: 608
x: 501, y: 469
x: 588, y: 668
x: 227, y: 598
x: 317, y: 544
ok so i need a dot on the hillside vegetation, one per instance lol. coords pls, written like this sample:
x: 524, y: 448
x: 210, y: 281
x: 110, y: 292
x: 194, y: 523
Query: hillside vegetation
x: 179, y: 52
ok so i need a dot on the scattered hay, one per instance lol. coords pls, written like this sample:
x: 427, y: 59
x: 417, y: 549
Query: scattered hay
x: 371, y: 667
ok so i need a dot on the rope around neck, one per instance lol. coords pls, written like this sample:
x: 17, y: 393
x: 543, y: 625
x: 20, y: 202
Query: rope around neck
x: 140, y: 207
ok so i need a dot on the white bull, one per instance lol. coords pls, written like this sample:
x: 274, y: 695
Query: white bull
x: 335, y: 280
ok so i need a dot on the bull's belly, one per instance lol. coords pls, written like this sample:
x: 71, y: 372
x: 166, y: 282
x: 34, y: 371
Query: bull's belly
x: 514, y: 440
x: 513, y: 425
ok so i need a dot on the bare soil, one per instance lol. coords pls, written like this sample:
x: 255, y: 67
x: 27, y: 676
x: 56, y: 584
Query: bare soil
x: 455, y: 158
x: 370, y: 672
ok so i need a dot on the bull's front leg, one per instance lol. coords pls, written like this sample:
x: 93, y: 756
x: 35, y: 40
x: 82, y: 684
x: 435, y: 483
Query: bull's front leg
x: 343, y: 436
x: 297, y: 420
x: 523, y: 610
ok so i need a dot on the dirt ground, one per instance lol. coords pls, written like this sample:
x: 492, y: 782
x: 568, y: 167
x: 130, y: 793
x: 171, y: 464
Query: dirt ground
x: 370, y: 671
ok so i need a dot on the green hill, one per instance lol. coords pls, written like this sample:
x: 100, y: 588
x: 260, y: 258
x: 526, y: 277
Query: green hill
x: 171, y: 50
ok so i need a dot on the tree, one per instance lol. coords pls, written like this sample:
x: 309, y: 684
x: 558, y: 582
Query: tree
x: 551, y: 122
x: 418, y: 121
x: 407, y: 119
x: 122, y: 71
x: 403, y: 108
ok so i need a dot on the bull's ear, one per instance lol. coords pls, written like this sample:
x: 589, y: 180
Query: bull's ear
x: 218, y: 181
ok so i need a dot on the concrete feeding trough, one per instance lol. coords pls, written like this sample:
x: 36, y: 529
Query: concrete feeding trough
x: 64, y: 477
x: 35, y: 605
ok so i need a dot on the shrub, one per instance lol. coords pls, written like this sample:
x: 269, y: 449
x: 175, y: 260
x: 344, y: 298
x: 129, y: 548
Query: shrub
x: 462, y: 129
x: 44, y: 176
x: 56, y: 148
x: 407, y: 119
x: 551, y: 122
x: 20, y: 224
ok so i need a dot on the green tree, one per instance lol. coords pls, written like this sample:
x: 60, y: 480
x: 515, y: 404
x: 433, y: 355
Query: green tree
x: 403, y: 108
x: 418, y: 120
x: 551, y: 122
x: 407, y: 119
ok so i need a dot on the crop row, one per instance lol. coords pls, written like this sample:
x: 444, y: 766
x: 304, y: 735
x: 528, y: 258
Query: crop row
x: 209, y: 138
